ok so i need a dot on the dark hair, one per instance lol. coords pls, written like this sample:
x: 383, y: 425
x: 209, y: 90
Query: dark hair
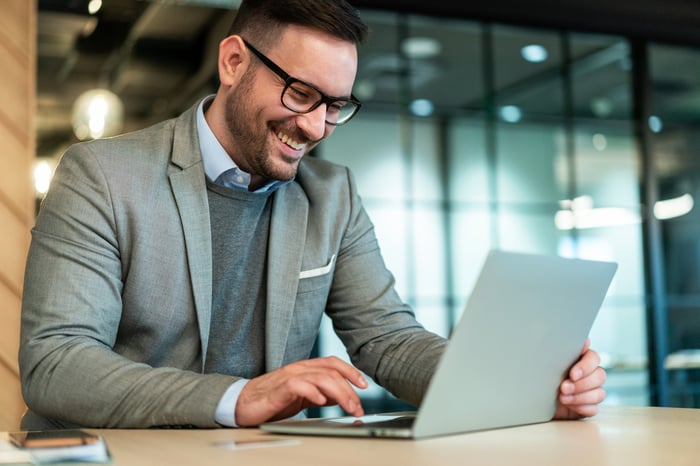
x: 262, y: 21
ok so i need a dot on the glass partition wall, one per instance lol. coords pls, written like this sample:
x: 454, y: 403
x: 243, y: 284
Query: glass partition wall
x: 478, y: 136
x: 674, y: 123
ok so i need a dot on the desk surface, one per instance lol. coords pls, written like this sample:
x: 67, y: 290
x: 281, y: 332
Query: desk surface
x: 617, y: 436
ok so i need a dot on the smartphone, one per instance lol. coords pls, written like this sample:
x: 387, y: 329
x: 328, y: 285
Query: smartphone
x: 52, y: 438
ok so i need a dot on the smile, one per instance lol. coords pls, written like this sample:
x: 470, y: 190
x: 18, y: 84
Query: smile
x: 286, y: 139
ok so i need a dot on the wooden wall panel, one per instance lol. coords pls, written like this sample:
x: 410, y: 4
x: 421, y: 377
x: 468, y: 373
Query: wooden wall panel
x: 11, y: 410
x: 11, y: 405
x: 17, y: 94
x: 13, y: 86
x: 13, y: 248
x: 15, y: 18
x: 15, y: 174
x: 9, y: 313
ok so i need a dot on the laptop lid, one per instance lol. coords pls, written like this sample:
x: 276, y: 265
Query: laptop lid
x: 523, y: 326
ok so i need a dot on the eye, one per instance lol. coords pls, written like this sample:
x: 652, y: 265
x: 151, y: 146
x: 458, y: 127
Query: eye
x: 300, y: 92
x: 337, y: 106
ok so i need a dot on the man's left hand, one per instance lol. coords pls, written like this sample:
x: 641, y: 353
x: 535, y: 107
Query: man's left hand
x: 582, y: 392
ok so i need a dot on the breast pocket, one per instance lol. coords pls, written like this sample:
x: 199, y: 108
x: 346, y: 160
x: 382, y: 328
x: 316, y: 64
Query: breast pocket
x: 318, y: 278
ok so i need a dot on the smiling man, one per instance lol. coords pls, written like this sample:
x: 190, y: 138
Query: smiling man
x: 178, y: 275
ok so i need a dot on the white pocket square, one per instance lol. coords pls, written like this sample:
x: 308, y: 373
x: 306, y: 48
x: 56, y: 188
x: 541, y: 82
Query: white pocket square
x: 318, y: 271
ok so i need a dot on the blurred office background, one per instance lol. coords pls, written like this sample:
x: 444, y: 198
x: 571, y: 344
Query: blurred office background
x: 565, y: 128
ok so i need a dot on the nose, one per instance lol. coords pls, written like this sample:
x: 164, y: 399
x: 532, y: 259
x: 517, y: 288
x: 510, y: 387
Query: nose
x: 313, y: 123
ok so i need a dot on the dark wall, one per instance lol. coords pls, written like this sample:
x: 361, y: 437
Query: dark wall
x: 674, y: 21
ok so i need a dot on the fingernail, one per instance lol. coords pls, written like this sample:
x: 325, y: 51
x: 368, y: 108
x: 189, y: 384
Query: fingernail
x: 567, y: 387
x: 576, y: 374
x: 566, y: 398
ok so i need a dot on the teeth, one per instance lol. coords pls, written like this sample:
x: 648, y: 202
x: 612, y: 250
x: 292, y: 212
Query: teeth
x: 289, y: 141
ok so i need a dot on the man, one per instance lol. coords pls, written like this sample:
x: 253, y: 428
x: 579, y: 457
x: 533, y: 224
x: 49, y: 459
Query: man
x: 159, y: 294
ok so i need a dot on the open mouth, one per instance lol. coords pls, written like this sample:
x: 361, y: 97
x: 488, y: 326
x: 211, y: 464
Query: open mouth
x: 286, y: 139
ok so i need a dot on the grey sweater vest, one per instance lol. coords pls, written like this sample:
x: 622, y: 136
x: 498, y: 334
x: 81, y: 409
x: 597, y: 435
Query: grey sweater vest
x: 240, y: 223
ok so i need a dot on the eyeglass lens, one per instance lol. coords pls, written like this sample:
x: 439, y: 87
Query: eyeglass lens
x: 300, y: 97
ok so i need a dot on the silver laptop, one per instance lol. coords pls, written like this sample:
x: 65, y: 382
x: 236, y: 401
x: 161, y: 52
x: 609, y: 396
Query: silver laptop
x: 523, y: 326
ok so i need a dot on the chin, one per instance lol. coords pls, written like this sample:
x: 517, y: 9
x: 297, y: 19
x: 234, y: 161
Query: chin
x: 287, y: 171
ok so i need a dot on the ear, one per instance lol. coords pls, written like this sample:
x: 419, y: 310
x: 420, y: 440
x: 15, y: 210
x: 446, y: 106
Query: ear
x: 233, y: 60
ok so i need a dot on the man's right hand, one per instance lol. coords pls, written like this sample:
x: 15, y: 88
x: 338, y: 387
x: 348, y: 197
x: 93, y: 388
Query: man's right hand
x: 284, y: 392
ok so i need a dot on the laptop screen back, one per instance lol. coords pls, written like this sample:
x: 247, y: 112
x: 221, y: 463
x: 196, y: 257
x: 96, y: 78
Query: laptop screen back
x: 523, y: 326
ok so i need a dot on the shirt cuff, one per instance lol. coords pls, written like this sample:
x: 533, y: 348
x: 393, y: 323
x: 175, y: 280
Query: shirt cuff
x: 225, y: 413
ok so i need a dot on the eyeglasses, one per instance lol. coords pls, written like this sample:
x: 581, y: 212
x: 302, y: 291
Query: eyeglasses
x: 301, y: 97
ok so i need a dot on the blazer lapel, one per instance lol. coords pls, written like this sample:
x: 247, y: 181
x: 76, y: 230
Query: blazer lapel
x: 285, y: 251
x: 190, y: 192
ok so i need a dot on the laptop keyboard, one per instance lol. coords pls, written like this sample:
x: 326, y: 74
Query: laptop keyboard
x: 398, y: 422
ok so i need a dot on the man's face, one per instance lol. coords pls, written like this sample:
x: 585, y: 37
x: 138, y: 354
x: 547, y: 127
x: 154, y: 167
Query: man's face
x: 270, y: 139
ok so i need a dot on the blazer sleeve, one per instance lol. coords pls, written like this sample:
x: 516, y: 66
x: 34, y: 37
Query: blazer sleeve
x: 379, y: 330
x: 72, y: 314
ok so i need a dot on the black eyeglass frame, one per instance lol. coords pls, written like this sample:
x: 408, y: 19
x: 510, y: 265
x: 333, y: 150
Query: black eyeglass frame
x: 289, y: 80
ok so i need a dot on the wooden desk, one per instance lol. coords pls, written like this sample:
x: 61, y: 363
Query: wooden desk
x: 617, y: 436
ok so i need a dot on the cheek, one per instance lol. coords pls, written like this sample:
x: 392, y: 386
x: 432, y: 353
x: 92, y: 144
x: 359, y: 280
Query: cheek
x: 269, y: 99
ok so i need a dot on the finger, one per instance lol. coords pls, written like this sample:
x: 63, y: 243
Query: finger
x: 333, y: 377
x: 586, y: 410
x: 577, y: 412
x: 587, y: 364
x: 320, y: 385
x: 585, y: 391
x: 580, y: 401
x: 593, y: 380
x: 348, y: 371
x: 337, y: 390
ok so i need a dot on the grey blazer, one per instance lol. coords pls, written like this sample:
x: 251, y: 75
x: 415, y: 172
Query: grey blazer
x: 118, y: 286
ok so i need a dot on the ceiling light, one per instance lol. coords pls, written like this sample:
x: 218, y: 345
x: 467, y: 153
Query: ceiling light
x: 421, y: 47
x: 94, y: 6
x: 579, y: 213
x: 422, y: 107
x: 43, y: 171
x: 655, y: 124
x: 672, y: 208
x: 511, y: 113
x: 534, y: 53
x: 602, y: 107
x: 595, y: 218
x: 600, y: 142
x: 364, y: 89
x: 97, y: 113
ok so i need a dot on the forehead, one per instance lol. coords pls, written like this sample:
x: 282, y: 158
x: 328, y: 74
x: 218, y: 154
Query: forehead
x: 324, y: 61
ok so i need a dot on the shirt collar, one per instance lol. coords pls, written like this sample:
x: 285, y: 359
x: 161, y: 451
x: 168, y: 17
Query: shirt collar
x: 216, y: 160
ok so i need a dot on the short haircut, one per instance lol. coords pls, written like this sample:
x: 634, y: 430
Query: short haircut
x: 261, y: 21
